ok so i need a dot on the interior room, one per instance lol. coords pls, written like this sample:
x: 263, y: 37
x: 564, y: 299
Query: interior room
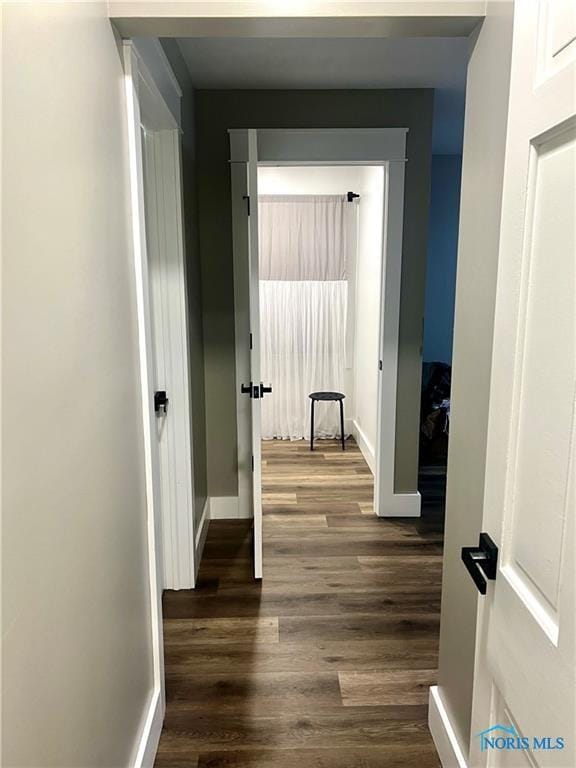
x: 320, y: 250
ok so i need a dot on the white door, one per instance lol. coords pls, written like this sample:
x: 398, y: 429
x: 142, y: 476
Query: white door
x: 525, y: 687
x: 247, y: 309
x: 166, y: 274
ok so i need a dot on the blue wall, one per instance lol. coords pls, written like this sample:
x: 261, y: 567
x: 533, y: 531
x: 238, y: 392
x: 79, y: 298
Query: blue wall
x: 442, y: 251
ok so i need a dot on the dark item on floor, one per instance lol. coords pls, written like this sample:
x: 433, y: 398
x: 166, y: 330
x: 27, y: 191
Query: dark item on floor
x: 435, y: 411
x: 326, y: 396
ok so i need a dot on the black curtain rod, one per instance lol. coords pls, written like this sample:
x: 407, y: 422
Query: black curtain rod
x: 350, y: 196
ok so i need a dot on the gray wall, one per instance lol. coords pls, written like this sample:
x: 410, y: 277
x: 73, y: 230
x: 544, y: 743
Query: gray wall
x: 194, y: 287
x: 216, y: 111
x: 442, y: 253
x: 76, y: 655
x: 482, y: 174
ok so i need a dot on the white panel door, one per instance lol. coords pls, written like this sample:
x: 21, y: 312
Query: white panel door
x: 247, y: 312
x: 525, y: 684
x: 166, y: 272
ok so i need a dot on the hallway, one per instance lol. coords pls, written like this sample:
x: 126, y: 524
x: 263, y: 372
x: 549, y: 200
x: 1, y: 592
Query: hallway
x: 327, y: 662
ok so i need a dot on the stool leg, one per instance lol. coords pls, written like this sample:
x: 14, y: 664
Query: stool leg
x: 342, y: 423
x: 311, y: 425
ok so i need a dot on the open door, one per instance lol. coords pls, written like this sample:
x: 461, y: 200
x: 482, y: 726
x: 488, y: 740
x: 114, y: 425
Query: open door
x: 525, y: 682
x: 168, y: 317
x: 250, y: 389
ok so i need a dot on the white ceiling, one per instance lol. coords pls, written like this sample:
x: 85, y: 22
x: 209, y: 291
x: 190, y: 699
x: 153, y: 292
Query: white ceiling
x: 431, y: 62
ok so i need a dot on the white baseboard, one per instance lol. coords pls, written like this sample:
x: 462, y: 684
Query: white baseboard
x: 226, y: 508
x: 443, y: 734
x: 147, y: 744
x: 366, y: 447
x: 401, y: 505
x: 201, y: 534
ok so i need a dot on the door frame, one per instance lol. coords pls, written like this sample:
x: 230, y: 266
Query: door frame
x: 382, y: 19
x: 157, y: 111
x: 346, y: 146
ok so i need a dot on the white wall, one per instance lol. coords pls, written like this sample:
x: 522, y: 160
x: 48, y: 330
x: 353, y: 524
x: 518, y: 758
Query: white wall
x: 77, y: 666
x: 364, y: 305
x: 309, y: 180
x: 368, y: 274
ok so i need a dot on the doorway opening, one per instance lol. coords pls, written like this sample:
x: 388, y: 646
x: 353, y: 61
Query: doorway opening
x: 320, y: 256
x: 335, y: 577
x: 320, y: 251
x: 438, y: 331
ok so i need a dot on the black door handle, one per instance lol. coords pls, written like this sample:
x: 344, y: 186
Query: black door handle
x: 481, y: 561
x: 160, y: 401
x: 255, y: 391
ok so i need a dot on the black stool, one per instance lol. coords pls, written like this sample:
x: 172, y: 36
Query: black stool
x: 335, y: 396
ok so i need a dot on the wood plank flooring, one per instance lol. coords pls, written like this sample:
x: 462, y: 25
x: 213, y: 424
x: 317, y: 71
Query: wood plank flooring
x: 327, y: 662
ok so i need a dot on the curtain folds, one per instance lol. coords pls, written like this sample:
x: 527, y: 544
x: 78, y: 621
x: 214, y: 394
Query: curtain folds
x: 304, y: 243
x: 303, y: 350
x: 303, y: 237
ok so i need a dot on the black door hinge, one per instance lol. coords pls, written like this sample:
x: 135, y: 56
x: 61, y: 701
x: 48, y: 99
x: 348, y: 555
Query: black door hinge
x: 379, y: 365
x: 247, y: 198
x: 252, y: 463
x: 250, y: 341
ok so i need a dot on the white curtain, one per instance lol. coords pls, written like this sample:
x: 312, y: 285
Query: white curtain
x: 304, y: 242
x: 303, y: 237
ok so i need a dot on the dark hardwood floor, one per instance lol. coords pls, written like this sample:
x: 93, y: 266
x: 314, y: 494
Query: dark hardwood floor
x: 326, y: 663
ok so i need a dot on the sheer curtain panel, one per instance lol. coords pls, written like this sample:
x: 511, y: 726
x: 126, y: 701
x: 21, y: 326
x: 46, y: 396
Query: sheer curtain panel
x: 304, y: 242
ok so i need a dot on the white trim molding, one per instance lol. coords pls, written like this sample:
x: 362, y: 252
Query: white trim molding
x: 388, y: 503
x: 401, y: 505
x: 147, y: 744
x: 156, y: 71
x: 445, y: 739
x: 148, y: 740
x: 201, y: 534
x: 362, y: 146
x: 227, y: 508
x: 366, y: 447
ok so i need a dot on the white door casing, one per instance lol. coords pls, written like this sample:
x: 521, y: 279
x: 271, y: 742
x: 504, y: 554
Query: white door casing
x: 247, y: 312
x: 255, y: 348
x: 525, y: 675
x: 240, y: 224
x: 162, y: 339
x: 332, y: 146
x: 152, y: 727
